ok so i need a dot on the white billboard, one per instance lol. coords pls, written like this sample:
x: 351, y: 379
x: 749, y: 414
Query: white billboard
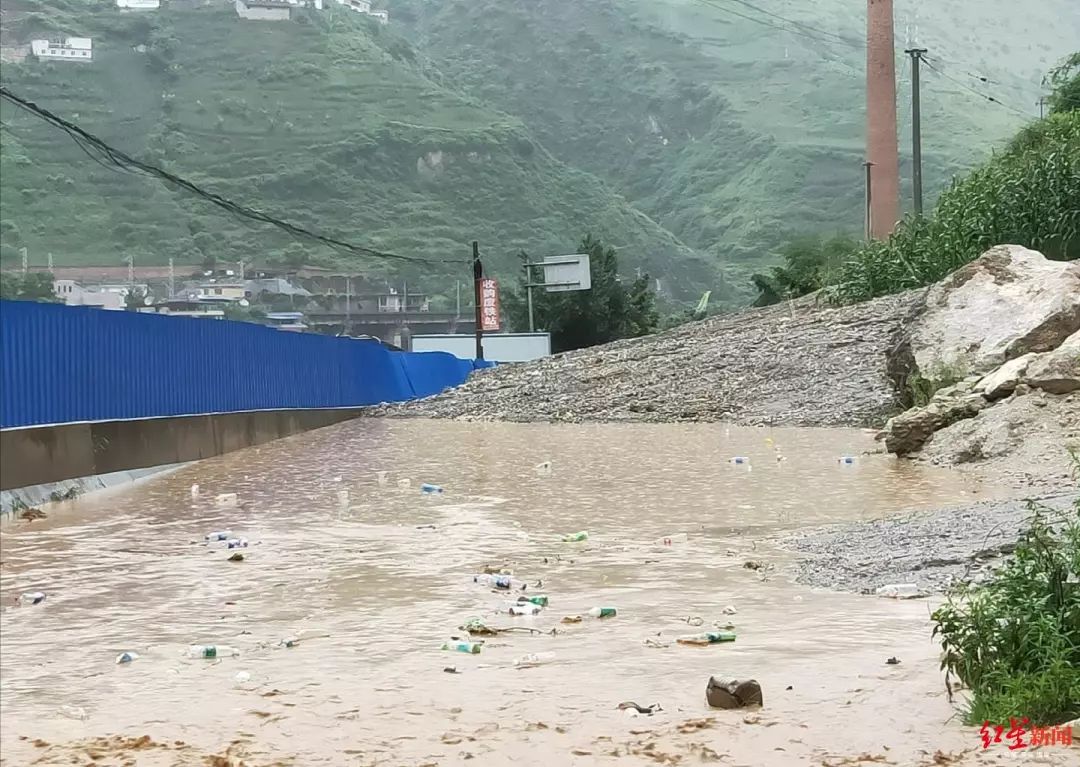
x: 498, y: 347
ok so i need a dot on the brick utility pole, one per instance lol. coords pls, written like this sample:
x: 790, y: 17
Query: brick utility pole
x: 881, y: 144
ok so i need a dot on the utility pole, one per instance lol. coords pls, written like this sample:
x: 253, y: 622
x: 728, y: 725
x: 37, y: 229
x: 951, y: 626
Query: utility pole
x: 241, y: 265
x: 50, y: 263
x: 172, y: 279
x: 1042, y: 105
x: 916, y: 129
x: 458, y: 315
x: 131, y: 270
x: 869, y: 215
x: 478, y: 275
x: 25, y: 260
x: 881, y: 144
x: 348, y: 305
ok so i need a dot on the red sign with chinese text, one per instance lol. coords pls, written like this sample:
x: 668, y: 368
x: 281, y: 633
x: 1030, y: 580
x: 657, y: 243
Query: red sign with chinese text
x: 489, y: 305
x: 1014, y: 738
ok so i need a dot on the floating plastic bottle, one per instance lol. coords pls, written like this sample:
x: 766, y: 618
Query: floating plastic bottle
x: 236, y: 543
x: 671, y: 539
x: 498, y: 581
x: 603, y: 612
x: 574, y: 537
x: 226, y: 499
x: 126, y: 657
x: 543, y: 469
x: 404, y: 484
x: 534, y: 659
x: 195, y: 490
x: 211, y: 651
x: 739, y: 459
x: 303, y: 635
x: 219, y: 535
x: 473, y: 648
x: 707, y: 637
x: 525, y: 608
x: 74, y: 712
x: 382, y: 477
x: 32, y: 598
x: 536, y: 599
x: 428, y: 489
x: 241, y: 677
x: 846, y: 459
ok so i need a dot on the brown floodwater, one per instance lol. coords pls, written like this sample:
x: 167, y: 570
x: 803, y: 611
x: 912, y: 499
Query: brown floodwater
x: 389, y: 577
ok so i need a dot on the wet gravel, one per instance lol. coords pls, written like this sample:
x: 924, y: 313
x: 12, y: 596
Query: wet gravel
x: 795, y: 364
x: 932, y: 549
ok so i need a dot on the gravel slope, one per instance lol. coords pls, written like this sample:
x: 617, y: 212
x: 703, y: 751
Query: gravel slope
x: 795, y: 364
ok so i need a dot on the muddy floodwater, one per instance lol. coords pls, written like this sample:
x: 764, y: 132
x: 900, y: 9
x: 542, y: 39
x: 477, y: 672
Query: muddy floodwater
x: 387, y: 574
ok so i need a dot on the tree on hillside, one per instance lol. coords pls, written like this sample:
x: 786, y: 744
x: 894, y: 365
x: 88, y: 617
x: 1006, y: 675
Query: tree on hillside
x: 1064, y: 81
x: 810, y: 263
x: 610, y: 310
x: 36, y: 286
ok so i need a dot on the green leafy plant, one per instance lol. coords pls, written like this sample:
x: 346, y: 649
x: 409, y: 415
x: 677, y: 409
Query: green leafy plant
x: 1014, y: 641
x: 810, y: 263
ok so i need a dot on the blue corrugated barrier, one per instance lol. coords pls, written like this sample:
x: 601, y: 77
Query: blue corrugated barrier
x: 63, y: 364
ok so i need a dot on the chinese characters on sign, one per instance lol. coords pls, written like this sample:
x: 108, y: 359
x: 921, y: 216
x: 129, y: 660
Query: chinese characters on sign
x: 1014, y: 737
x: 489, y: 305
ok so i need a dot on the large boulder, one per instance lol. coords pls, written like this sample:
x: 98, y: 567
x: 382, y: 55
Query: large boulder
x: 1008, y: 302
x: 906, y: 433
x: 1057, y: 372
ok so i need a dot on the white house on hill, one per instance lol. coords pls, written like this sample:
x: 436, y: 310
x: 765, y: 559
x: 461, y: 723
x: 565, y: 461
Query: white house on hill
x: 264, y: 10
x: 71, y: 49
x: 139, y: 5
x: 364, y: 6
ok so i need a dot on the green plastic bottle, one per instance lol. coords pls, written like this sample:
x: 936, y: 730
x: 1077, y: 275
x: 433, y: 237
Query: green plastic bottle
x: 707, y: 637
x: 603, y: 612
x: 536, y: 599
x: 573, y: 537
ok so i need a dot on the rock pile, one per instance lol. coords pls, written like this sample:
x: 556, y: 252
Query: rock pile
x: 1010, y: 323
x: 796, y: 364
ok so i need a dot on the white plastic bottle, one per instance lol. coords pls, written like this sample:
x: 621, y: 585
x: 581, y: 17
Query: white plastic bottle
x: 525, y: 608
x: 534, y: 659
x: 211, y: 651
x: 219, y: 535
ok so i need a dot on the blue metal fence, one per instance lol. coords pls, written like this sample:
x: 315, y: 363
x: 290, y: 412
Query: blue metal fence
x: 63, y: 364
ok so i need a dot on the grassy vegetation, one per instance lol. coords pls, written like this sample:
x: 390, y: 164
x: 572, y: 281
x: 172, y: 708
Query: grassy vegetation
x: 1014, y: 641
x: 325, y: 120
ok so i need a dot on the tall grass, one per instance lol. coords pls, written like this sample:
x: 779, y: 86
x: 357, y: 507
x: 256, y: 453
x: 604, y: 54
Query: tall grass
x: 1029, y: 195
x: 1015, y: 640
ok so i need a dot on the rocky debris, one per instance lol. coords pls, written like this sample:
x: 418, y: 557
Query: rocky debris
x: 733, y: 693
x: 931, y: 549
x: 799, y: 364
x: 1058, y: 371
x: 1022, y: 440
x: 1003, y: 381
x: 1007, y: 302
x: 908, y: 431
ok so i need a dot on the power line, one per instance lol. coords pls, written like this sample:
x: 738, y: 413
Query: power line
x: 981, y: 95
x: 801, y: 30
x: 807, y: 27
x: 115, y: 159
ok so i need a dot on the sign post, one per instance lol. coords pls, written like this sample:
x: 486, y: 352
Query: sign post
x: 561, y: 273
x: 489, y: 305
x: 478, y: 275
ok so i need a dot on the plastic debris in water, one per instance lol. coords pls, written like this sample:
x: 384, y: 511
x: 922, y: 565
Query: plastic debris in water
x: 729, y: 610
x: 534, y: 659
x: 343, y: 498
x: 74, y: 712
x: 707, y: 637
x: 236, y: 543
x: 899, y: 591
x: 382, y: 477
x: 32, y: 598
x: 739, y: 459
x: 242, y: 677
x: 575, y: 537
x: 404, y: 484
x: 668, y: 540
x: 195, y: 490
x: 603, y: 612
x: 126, y: 657
x: 846, y: 459
x: 219, y: 535
x: 473, y: 648
x: 226, y: 499
x: 543, y: 469
x: 429, y: 489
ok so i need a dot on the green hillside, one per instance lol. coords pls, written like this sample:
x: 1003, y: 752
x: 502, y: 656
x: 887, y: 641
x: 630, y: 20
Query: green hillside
x: 731, y: 133
x: 324, y: 120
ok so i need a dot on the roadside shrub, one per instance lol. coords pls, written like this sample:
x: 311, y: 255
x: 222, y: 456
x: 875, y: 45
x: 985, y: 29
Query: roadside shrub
x: 1015, y: 640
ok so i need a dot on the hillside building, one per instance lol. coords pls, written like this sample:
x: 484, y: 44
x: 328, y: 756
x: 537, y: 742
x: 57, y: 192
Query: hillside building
x: 364, y: 7
x: 138, y: 5
x: 70, y: 49
x: 263, y: 10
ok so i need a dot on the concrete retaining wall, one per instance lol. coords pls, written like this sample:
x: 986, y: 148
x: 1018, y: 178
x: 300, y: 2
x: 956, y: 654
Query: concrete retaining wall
x: 46, y: 454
